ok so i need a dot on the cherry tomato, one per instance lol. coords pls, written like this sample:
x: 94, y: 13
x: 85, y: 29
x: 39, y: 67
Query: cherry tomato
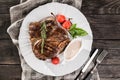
x: 67, y: 24
x: 60, y: 18
x: 55, y: 60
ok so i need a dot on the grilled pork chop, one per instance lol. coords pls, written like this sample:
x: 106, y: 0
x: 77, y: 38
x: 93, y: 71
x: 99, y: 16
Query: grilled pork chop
x: 57, y: 38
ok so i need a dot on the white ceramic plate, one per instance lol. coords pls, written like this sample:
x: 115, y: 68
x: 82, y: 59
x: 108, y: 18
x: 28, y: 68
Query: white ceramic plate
x: 46, y: 67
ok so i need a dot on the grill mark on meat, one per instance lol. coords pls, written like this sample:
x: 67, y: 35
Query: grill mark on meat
x: 51, y: 46
x: 63, y: 44
x: 50, y: 54
x: 48, y: 48
x: 40, y: 56
x: 33, y: 40
x: 34, y: 26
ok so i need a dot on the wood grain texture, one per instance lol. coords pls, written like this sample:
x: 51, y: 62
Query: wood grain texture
x: 106, y: 31
x: 113, y: 57
x: 102, y: 19
x: 101, y: 7
x: 9, y: 1
x: 107, y: 44
x: 6, y: 4
x: 10, y: 72
x: 110, y: 78
x: 109, y: 71
x: 5, y: 22
x: 8, y: 53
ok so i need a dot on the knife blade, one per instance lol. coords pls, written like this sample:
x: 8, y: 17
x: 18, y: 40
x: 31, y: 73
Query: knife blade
x: 98, y: 61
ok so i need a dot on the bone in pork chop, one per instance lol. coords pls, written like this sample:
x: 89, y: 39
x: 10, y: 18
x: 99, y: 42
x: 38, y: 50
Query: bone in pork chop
x: 57, y: 38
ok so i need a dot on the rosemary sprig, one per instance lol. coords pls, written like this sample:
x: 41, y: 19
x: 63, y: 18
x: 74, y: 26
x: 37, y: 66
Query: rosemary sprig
x: 43, y: 36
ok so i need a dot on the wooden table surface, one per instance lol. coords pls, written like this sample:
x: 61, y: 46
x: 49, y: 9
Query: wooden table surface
x: 104, y: 18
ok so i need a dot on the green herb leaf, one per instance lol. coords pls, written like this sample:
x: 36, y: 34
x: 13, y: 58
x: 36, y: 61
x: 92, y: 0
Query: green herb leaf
x: 42, y: 45
x: 43, y: 30
x: 43, y: 36
x: 73, y: 26
x: 74, y: 31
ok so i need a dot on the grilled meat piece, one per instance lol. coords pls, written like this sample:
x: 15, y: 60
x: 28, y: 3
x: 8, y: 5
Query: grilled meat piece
x: 34, y: 28
x: 57, y: 38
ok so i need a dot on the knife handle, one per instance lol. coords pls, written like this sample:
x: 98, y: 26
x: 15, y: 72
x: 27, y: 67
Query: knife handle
x: 88, y: 76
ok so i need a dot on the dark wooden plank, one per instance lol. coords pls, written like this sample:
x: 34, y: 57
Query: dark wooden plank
x: 106, y: 31
x: 109, y: 71
x: 4, y: 20
x: 10, y: 72
x: 103, y: 18
x: 5, y: 23
x: 106, y: 44
x: 9, y: 1
x: 101, y: 7
x: 113, y: 57
x: 111, y: 61
x: 6, y: 4
x: 8, y: 53
x: 109, y: 78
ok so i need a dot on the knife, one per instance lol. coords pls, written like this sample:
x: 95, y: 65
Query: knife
x: 87, y: 64
x: 90, y: 60
x: 98, y: 61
